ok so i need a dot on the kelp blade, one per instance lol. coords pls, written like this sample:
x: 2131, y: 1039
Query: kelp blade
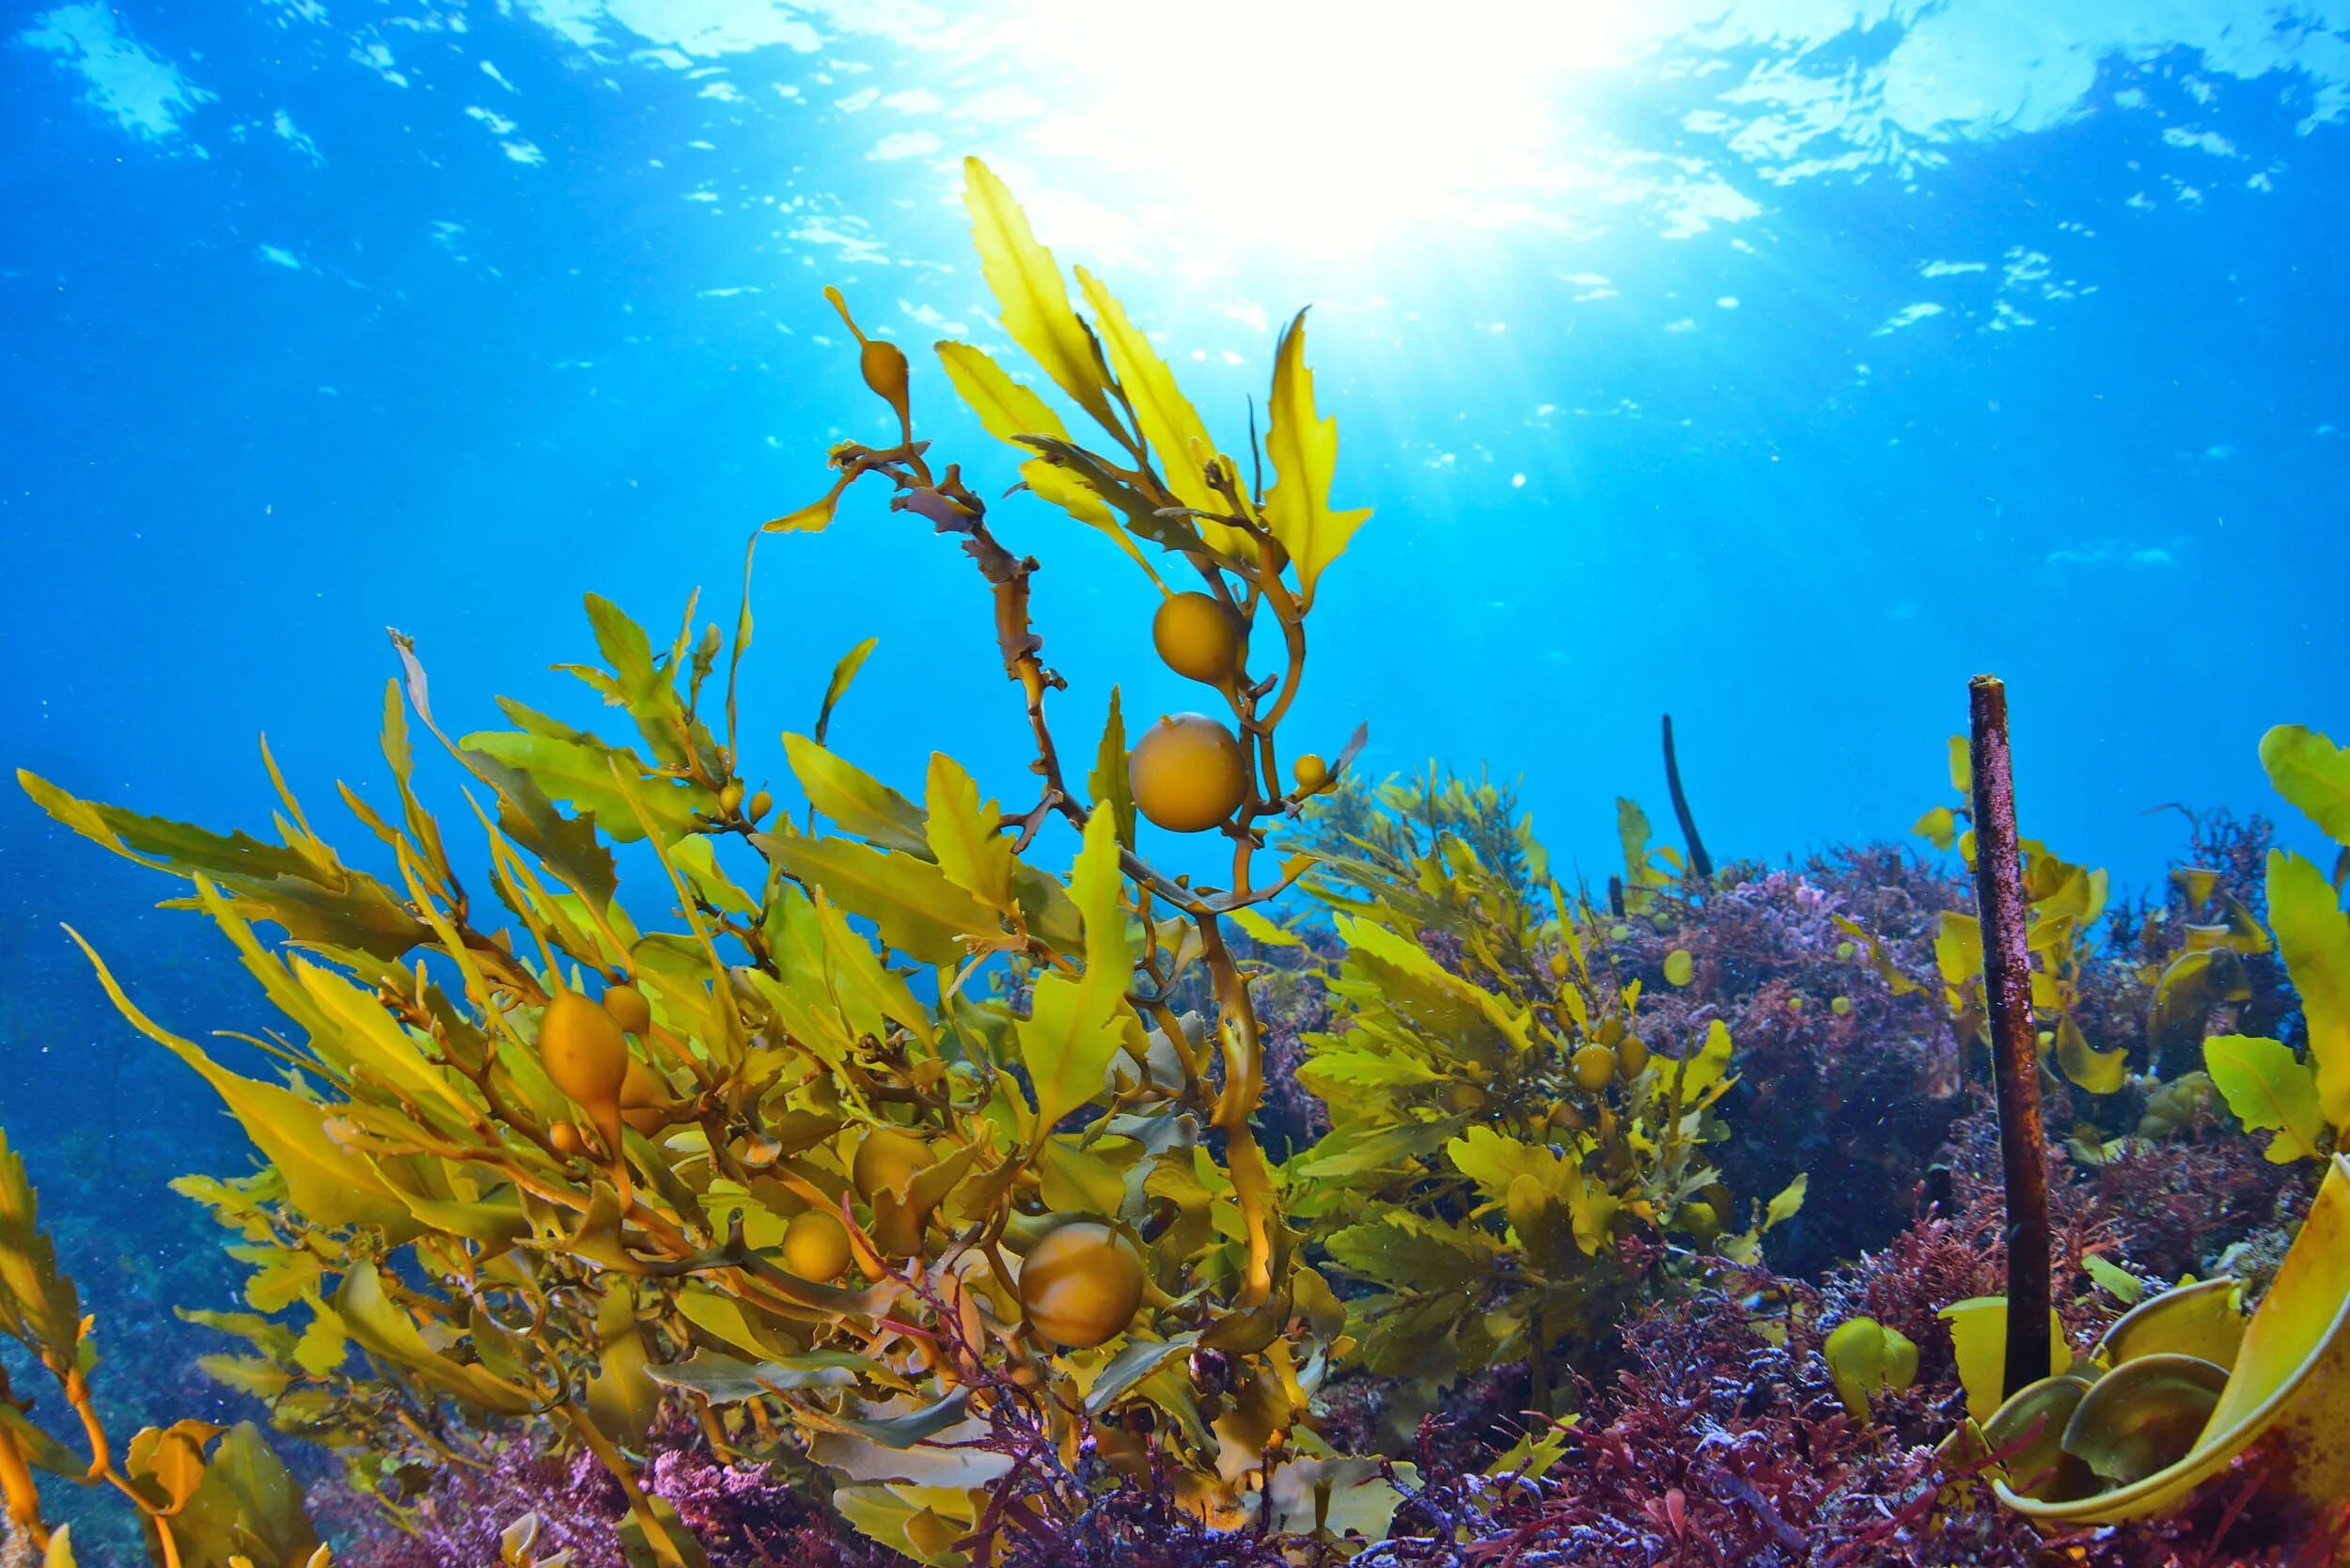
x: 2293, y: 1371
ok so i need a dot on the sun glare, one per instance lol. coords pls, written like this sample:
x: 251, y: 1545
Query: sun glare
x: 1313, y: 127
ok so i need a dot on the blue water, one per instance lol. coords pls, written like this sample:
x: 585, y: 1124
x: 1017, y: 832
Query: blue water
x: 1777, y: 365
x: 300, y: 349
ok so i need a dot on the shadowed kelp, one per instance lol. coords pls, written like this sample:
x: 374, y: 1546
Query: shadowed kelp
x: 207, y: 1496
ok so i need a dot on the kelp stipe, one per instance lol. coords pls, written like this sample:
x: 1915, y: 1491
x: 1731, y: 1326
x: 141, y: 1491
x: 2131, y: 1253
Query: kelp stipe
x: 2000, y: 911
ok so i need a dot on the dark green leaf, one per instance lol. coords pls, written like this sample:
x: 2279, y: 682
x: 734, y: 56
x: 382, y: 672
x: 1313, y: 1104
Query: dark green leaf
x: 730, y: 1380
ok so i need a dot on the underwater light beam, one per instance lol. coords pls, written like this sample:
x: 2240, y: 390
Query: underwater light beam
x: 1319, y: 128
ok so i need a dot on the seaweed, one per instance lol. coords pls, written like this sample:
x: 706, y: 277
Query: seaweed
x: 207, y: 1496
x: 710, y: 1179
x: 1510, y: 1163
x: 2301, y: 1097
x: 791, y: 1164
x: 1855, y: 1070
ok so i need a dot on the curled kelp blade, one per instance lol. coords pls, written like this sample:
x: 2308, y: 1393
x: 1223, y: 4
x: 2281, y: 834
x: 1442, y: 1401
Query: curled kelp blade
x: 2292, y: 1371
x: 1978, y: 1345
x: 2026, y: 1438
x: 2145, y: 1415
x: 2201, y: 1320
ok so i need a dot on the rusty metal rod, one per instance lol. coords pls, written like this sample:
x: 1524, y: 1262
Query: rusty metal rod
x: 2015, y: 1037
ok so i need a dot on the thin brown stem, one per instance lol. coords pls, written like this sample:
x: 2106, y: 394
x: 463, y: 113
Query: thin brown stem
x: 2015, y: 1039
x: 1244, y: 1087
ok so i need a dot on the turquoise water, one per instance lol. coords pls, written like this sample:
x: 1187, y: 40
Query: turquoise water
x: 1778, y: 366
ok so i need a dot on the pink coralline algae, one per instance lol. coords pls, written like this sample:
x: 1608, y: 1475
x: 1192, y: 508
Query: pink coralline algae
x: 743, y: 1516
x: 1707, y: 1429
x: 1858, y: 1082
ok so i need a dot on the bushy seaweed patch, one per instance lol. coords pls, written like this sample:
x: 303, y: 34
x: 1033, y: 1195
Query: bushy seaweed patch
x: 1857, y: 1081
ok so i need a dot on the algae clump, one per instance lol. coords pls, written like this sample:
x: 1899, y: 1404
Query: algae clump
x: 895, y: 1036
